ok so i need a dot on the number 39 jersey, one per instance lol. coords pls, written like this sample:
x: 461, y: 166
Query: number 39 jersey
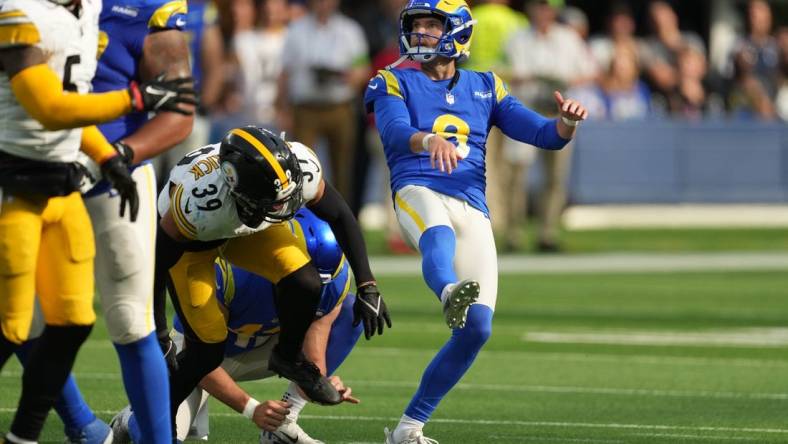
x: 199, y: 198
x: 70, y: 44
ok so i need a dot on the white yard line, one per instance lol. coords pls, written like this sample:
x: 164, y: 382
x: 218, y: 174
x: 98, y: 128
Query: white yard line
x: 608, y: 263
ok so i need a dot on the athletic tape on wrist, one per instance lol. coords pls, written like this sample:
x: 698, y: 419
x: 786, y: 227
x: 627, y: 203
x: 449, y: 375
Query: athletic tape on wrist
x: 250, y: 407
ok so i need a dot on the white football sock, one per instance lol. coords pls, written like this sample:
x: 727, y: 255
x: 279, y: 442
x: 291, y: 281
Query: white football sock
x: 297, y: 403
x: 406, y: 427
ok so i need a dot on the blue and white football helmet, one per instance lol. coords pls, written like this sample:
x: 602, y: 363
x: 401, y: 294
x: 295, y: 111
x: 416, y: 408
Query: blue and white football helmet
x: 458, y: 24
x: 321, y: 244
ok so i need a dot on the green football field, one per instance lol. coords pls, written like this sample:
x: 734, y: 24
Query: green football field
x: 574, y: 358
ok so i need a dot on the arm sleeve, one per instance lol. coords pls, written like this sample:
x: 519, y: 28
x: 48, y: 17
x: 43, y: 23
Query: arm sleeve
x: 95, y: 145
x: 169, y: 15
x: 333, y: 209
x: 393, y: 122
x: 40, y: 92
x: 525, y: 125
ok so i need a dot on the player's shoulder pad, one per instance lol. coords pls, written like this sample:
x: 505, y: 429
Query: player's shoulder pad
x: 311, y: 168
x: 501, y: 90
x: 385, y: 82
x: 16, y: 26
x: 166, y: 14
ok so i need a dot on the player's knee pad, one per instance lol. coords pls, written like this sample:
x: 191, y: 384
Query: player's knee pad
x: 478, y: 327
x: 127, y: 320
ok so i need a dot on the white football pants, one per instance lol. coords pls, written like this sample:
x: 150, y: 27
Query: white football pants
x: 125, y: 255
x: 192, y: 417
x: 419, y: 208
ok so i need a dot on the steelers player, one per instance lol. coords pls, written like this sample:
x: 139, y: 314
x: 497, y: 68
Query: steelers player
x: 433, y: 122
x: 230, y: 199
x: 48, y: 55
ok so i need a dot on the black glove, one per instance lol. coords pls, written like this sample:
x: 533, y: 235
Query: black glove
x: 116, y: 171
x: 163, y: 95
x: 170, y: 353
x: 370, y: 308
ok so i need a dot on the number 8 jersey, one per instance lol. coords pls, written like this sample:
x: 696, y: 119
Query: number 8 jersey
x: 199, y: 197
x: 70, y: 43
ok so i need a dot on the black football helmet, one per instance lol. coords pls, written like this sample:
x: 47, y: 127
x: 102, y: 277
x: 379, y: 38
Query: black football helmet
x: 263, y: 174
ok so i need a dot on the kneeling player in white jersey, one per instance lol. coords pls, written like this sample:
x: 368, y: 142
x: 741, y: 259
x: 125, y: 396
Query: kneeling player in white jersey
x: 48, y: 54
x: 433, y: 123
x: 231, y: 199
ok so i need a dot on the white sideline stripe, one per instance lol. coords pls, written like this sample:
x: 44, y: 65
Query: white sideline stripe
x: 608, y: 263
x: 490, y: 422
x: 508, y: 388
x: 594, y: 217
x: 745, y: 337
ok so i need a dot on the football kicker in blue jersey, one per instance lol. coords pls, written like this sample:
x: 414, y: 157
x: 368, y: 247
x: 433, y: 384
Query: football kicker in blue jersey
x: 434, y: 123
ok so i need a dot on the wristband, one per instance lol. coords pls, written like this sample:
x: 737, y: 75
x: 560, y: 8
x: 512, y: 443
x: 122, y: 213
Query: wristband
x: 425, y: 142
x: 251, y: 405
x: 569, y: 122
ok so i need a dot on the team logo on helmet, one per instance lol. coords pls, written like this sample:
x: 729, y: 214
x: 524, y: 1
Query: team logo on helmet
x: 230, y: 174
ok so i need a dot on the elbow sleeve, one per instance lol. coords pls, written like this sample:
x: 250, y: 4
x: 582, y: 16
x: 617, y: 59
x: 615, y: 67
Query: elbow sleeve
x: 40, y: 92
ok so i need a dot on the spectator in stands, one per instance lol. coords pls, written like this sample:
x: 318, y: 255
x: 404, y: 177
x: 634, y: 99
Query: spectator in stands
x: 660, y: 56
x: 781, y: 102
x: 325, y: 67
x: 620, y: 33
x: 258, y: 52
x: 626, y: 97
x: 748, y: 98
x: 548, y: 56
x: 760, y: 43
x: 692, y: 70
x: 496, y: 22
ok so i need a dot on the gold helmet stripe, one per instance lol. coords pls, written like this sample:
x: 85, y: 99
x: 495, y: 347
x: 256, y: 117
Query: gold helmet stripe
x: 280, y: 173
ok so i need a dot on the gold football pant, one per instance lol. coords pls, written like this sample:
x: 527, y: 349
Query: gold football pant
x: 46, y: 248
x: 272, y: 253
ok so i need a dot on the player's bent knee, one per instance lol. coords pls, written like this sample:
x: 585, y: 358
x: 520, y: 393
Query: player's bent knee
x: 478, y: 327
x: 304, y: 282
x: 127, y: 322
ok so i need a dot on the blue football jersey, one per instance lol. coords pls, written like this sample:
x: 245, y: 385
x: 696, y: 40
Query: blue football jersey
x: 249, y: 300
x: 462, y: 113
x: 202, y: 13
x: 123, y: 25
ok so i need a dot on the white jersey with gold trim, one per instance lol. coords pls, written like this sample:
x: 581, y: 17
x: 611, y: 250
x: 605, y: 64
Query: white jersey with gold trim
x: 200, y: 201
x: 70, y: 43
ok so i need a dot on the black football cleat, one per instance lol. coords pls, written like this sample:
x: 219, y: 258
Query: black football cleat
x: 307, y: 376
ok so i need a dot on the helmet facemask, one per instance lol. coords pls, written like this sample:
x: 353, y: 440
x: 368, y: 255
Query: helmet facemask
x: 254, y: 212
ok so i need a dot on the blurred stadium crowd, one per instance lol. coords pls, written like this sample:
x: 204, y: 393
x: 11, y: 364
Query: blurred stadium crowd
x: 301, y: 66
